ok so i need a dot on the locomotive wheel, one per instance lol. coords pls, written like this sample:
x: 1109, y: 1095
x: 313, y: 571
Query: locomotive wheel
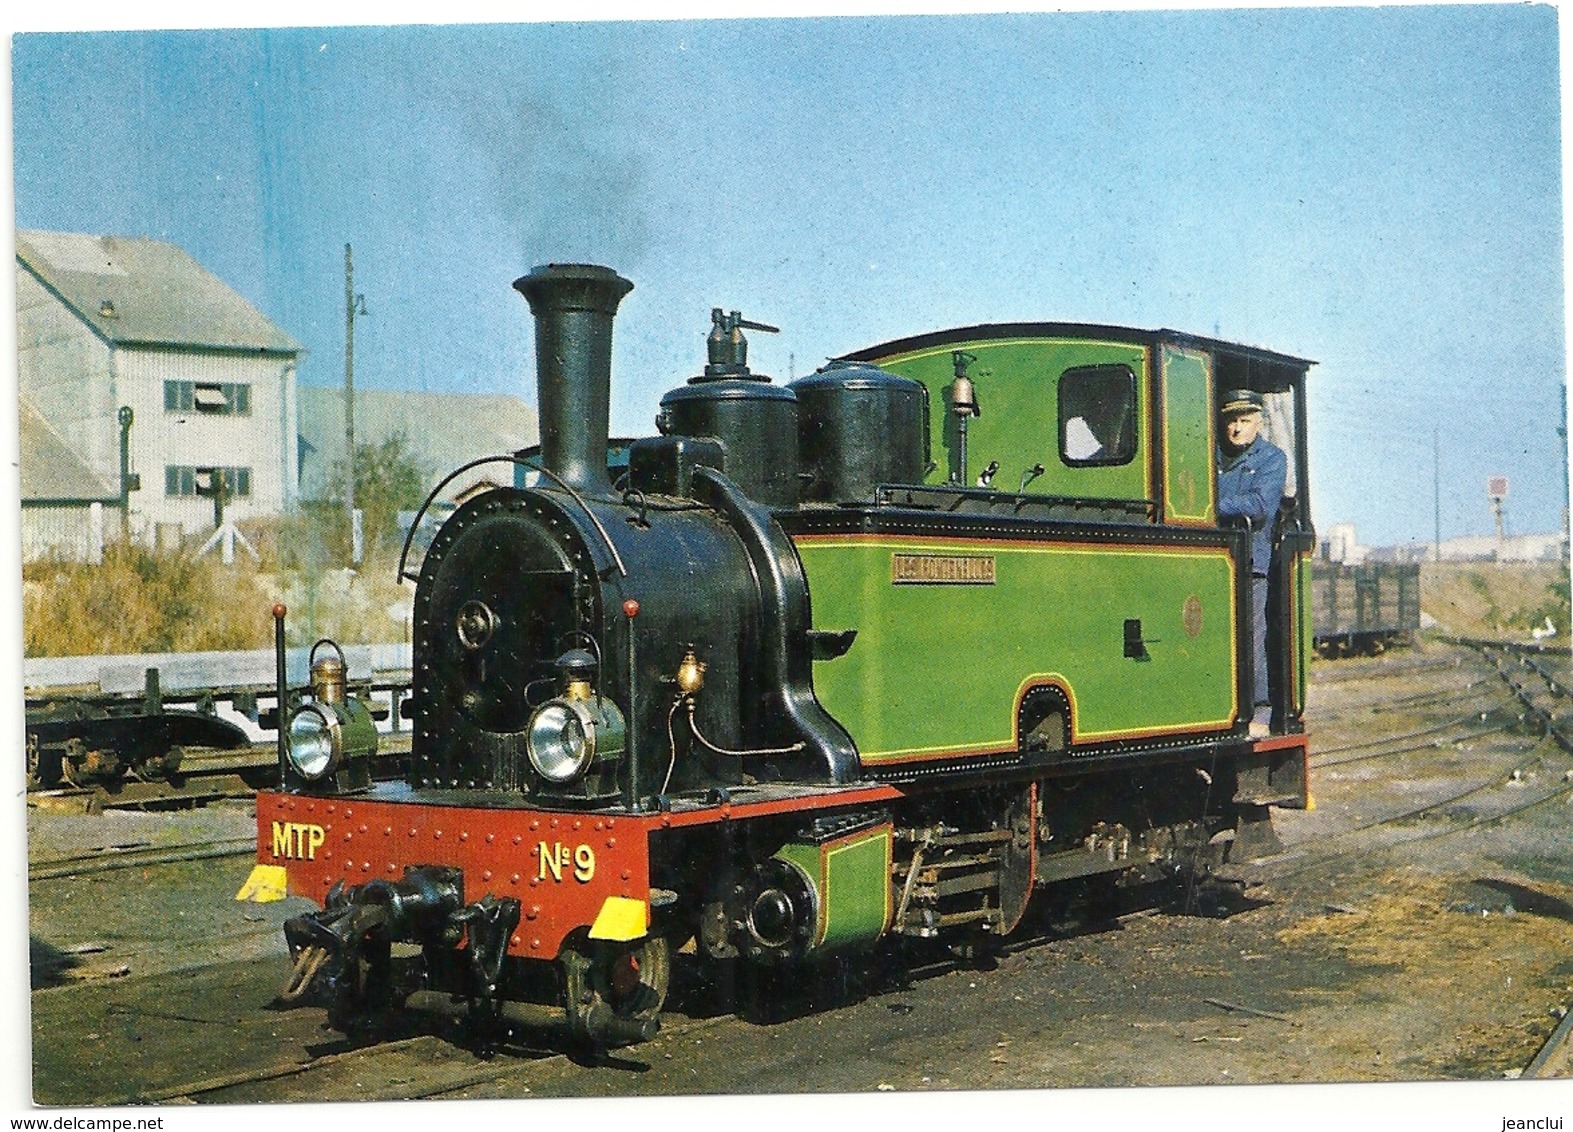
x: 1018, y: 860
x: 615, y: 991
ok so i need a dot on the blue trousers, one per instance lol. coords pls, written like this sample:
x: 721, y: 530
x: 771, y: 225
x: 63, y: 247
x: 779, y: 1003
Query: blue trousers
x: 1259, y: 693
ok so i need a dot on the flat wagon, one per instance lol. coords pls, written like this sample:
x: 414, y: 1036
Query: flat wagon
x: 1364, y: 609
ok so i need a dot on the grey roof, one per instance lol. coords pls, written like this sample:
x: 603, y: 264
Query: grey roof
x: 146, y: 292
x: 444, y: 430
x: 50, y: 469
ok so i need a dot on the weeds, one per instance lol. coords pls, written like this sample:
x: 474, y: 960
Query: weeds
x: 140, y: 600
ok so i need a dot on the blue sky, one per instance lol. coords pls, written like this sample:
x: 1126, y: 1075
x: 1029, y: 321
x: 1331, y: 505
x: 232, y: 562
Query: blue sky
x: 1378, y: 189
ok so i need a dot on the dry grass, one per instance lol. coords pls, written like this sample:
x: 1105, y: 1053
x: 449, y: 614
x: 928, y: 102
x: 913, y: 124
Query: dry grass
x: 140, y: 600
x: 1496, y: 599
x: 1428, y: 960
x: 1417, y: 923
x: 145, y: 601
x: 366, y: 606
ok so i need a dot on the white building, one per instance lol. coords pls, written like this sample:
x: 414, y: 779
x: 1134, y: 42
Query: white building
x: 66, y: 508
x: 1341, y: 546
x: 105, y: 323
x: 1509, y: 548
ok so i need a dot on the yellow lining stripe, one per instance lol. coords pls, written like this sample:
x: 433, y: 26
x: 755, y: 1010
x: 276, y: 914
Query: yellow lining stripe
x: 1002, y: 746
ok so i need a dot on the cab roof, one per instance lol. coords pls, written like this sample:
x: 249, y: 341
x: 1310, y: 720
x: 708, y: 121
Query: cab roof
x: 1253, y: 357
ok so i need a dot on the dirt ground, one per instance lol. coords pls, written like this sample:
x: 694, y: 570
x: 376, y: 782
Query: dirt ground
x: 1416, y: 928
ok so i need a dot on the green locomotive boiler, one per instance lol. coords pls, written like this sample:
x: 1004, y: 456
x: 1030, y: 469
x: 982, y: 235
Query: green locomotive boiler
x: 878, y: 653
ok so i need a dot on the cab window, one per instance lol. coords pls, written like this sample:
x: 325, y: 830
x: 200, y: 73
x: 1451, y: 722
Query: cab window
x: 1097, y: 415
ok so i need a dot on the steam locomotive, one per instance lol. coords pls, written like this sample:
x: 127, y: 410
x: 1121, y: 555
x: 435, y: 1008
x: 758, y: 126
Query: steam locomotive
x: 874, y: 654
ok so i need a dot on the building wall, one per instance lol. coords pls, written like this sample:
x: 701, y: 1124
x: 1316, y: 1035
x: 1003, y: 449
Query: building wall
x: 79, y: 383
x: 68, y: 533
x: 1511, y: 548
x: 66, y: 371
x: 1342, y: 545
x: 1477, y: 548
x: 185, y: 436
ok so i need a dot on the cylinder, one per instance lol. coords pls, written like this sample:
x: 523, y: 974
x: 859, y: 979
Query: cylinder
x: 573, y: 305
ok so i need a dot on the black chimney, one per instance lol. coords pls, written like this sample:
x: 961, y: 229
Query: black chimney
x: 573, y: 304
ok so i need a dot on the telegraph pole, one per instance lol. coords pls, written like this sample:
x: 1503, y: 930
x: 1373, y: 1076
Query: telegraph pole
x: 1562, y: 431
x: 349, y: 404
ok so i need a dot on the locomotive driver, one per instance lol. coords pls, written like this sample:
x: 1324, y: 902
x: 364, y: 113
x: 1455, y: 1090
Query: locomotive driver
x: 1251, y: 474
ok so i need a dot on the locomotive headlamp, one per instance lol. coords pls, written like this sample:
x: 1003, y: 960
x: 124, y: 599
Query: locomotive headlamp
x: 579, y: 731
x: 334, y: 734
x: 312, y: 746
x: 325, y: 738
x: 562, y: 740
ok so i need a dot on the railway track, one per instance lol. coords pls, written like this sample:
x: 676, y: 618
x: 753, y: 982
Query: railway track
x: 1509, y: 770
x: 141, y: 856
x: 417, y: 1068
x: 1528, y: 675
x: 1436, y: 736
x: 432, y: 1056
x: 1353, y: 707
x: 1474, y: 689
x: 1384, y: 668
x: 422, y: 1066
x: 1484, y: 692
x: 1313, y: 854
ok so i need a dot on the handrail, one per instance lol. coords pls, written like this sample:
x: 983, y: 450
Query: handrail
x: 415, y: 524
x: 886, y: 496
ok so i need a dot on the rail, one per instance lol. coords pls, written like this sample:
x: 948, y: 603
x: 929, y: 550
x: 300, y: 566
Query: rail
x: 1512, y: 660
x: 984, y: 500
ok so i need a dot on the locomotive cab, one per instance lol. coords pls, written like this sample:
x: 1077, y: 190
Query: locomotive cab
x: 1280, y: 385
x: 1078, y: 484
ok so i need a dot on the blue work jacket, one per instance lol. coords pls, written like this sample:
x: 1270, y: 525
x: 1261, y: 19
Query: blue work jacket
x: 1251, y: 487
